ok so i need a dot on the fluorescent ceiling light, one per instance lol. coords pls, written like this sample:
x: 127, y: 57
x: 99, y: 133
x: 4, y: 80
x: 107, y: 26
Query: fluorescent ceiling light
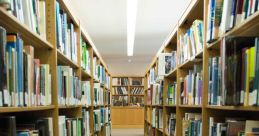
x: 132, y: 6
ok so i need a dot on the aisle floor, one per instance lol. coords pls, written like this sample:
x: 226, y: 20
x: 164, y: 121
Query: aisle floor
x: 127, y: 132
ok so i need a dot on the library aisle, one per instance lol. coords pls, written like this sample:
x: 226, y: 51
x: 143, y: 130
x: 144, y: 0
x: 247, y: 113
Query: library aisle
x: 129, y: 68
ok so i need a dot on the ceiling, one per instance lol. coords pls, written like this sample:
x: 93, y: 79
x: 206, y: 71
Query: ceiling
x: 106, y: 23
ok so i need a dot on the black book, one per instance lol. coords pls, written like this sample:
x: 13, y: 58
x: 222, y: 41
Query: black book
x: 3, y: 73
x: 8, y: 126
x: 43, y: 126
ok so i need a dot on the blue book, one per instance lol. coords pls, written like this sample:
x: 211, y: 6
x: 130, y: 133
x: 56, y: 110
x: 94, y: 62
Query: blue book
x: 22, y: 134
x: 214, y: 80
x: 19, y: 71
x: 57, y: 24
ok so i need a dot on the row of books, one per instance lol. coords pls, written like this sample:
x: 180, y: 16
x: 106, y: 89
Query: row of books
x: 191, y: 87
x: 12, y: 126
x: 191, y: 43
x: 120, y: 81
x: 24, y: 80
x: 171, y: 94
x: 137, y: 90
x: 171, y: 131
x: 120, y: 90
x: 86, y: 93
x: 136, y: 101
x: 157, y: 118
x: 32, y: 13
x: 155, y: 94
x: 74, y: 126
x: 101, y: 117
x: 192, y: 124
x: 100, y: 74
x: 85, y: 56
x: 223, y: 15
x: 119, y: 100
x: 238, y: 55
x: 152, y: 76
x: 136, y: 81
x: 66, y: 34
x: 69, y: 86
x: 101, y: 96
x: 233, y: 127
x: 166, y: 63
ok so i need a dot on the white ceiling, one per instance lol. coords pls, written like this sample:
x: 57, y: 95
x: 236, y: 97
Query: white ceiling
x: 106, y: 23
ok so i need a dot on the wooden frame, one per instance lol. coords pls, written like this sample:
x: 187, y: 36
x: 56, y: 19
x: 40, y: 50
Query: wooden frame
x: 48, y: 53
x: 197, y: 9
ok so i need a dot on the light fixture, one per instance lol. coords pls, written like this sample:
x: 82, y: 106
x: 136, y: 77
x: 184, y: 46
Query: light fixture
x: 132, y: 6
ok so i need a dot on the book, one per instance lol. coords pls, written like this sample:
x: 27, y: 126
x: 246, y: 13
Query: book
x: 157, y: 93
x: 192, y: 124
x: 171, y: 94
x: 86, y: 93
x: 4, y: 94
x: 237, y: 55
x: 70, y: 126
x: 66, y: 34
x: 69, y: 89
x: 191, y: 42
x: 8, y: 126
x: 191, y: 86
x: 164, y: 60
x: 171, y: 124
x: 85, y: 55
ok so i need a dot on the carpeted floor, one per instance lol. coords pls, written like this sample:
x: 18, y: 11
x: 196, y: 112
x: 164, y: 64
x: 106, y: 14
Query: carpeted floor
x: 127, y: 132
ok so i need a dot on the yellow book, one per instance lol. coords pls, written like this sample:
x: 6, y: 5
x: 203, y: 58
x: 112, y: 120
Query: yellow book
x: 247, y: 77
x: 251, y: 65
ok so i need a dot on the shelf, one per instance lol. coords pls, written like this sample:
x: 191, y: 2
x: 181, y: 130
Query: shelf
x: 246, y: 28
x: 69, y: 107
x: 170, y: 106
x: 25, y: 109
x: 85, y: 75
x: 64, y: 60
x: 172, y: 73
x: 120, y: 95
x: 233, y: 108
x: 65, y: 5
x: 160, y: 130
x: 119, y: 85
x: 136, y: 85
x: 190, y: 63
x: 13, y: 25
x: 137, y: 94
x: 191, y: 106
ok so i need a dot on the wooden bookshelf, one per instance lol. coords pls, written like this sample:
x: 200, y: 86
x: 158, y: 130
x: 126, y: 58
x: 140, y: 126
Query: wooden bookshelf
x: 47, y: 52
x: 197, y: 9
x: 127, y: 115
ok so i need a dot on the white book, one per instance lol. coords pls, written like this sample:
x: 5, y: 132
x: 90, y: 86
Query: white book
x: 42, y: 18
x: 225, y: 20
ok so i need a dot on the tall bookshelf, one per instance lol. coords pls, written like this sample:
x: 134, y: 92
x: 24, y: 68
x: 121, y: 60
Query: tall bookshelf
x: 46, y: 50
x: 130, y: 112
x: 197, y: 9
x: 129, y: 90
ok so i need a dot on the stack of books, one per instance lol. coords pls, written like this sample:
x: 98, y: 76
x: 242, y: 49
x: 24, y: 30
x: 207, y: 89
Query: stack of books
x: 24, y: 80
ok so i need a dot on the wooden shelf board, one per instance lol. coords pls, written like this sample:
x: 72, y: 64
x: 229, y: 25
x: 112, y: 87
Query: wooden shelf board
x: 189, y: 63
x: 136, y: 85
x: 193, y: 12
x: 172, y: 73
x: 214, y: 45
x: 69, y: 107
x: 65, y: 5
x: 234, y: 108
x: 25, y: 109
x: 160, y: 130
x: 85, y: 74
x: 119, y: 85
x: 170, y: 106
x: 120, y: 95
x: 64, y: 60
x: 137, y: 94
x: 191, y: 106
x: 13, y: 25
